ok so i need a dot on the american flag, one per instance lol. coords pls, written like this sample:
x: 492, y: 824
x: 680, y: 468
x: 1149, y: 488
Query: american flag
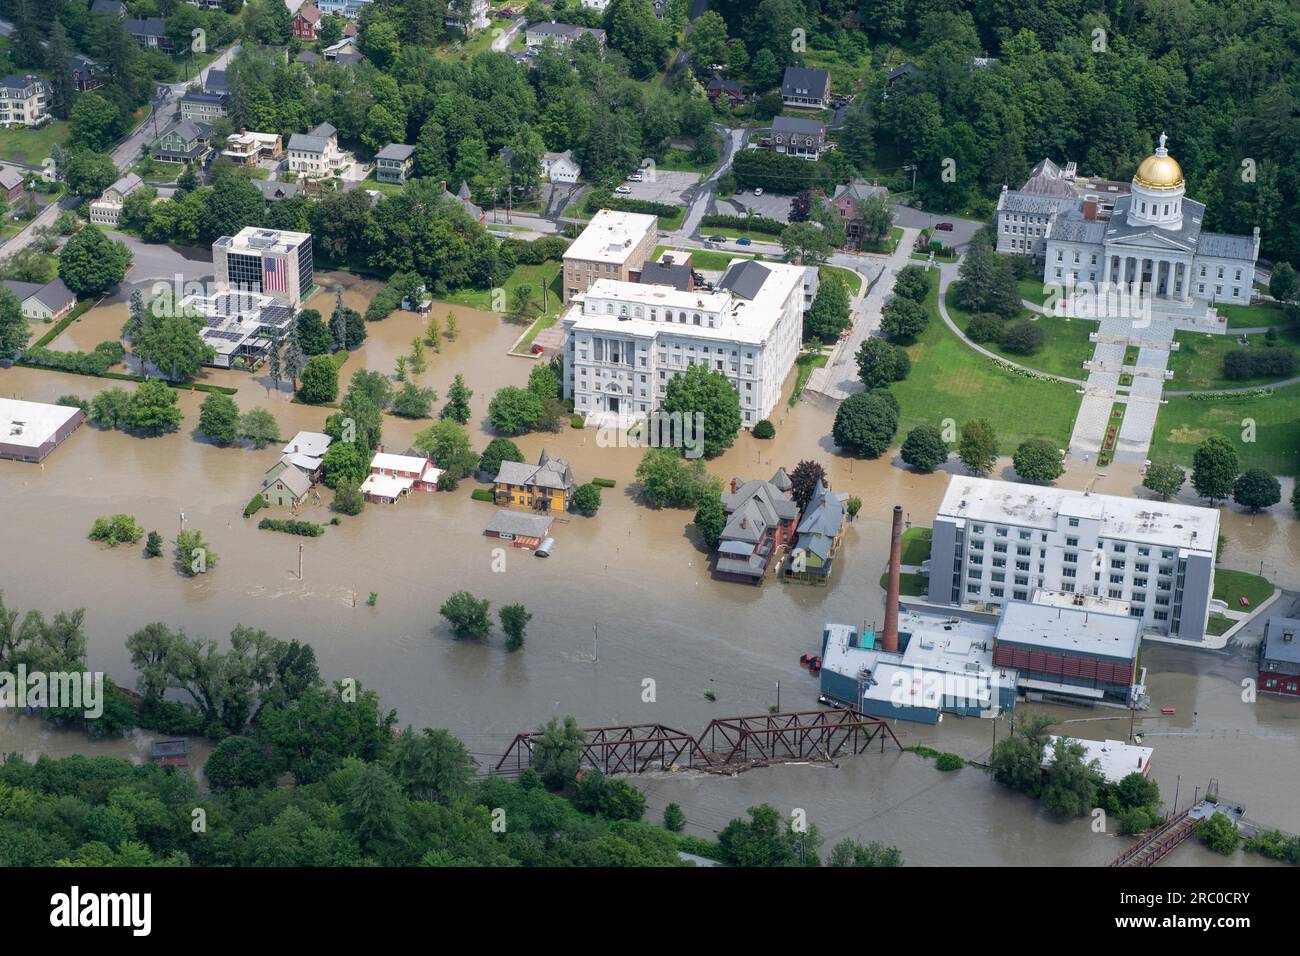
x: 273, y: 275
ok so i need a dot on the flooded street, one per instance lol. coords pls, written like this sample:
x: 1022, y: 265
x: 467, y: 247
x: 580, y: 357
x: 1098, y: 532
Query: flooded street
x: 637, y: 575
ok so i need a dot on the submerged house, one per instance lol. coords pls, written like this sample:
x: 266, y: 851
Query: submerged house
x: 522, y: 531
x: 761, y: 521
x: 392, y: 476
x: 818, y: 536
x: 546, y: 486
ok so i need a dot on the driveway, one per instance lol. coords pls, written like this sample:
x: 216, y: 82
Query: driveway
x: 962, y: 231
x: 732, y: 140
x: 663, y: 186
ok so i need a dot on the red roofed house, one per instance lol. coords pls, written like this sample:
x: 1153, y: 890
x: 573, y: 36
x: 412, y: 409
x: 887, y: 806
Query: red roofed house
x: 306, y: 23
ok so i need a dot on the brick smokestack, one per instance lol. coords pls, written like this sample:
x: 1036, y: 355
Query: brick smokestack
x: 889, y: 640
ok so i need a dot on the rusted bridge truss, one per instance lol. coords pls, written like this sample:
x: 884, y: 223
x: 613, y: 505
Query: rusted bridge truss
x: 726, y: 742
x: 1157, y: 844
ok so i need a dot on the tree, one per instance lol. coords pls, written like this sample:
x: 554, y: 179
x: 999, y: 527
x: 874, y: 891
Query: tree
x: 805, y: 479
x: 877, y: 220
x: 1072, y: 785
x: 903, y: 320
x: 467, y: 615
x: 977, y: 446
x: 171, y: 344
x: 806, y: 242
x: 89, y: 174
x: 375, y: 809
x: 1017, y: 759
x: 219, y: 419
x: 115, y: 530
x: 1283, y: 284
x: 91, y: 263
x: 987, y: 283
x: 1164, y: 478
x: 431, y: 766
x: 514, y: 621
x: 912, y: 282
x: 667, y: 480
x: 232, y: 203
x: 767, y: 839
x: 239, y: 763
x: 153, y: 409
x: 544, y: 382
x: 497, y: 451
x: 458, y: 396
x: 348, y: 498
x: 14, y: 330
x: 702, y: 392
x: 636, y: 32
x: 707, y: 41
x: 764, y: 70
x: 865, y: 425
x: 153, y: 545
x: 412, y: 401
x: 557, y: 752
x: 1038, y: 460
x: 523, y: 307
x: 924, y: 448
x: 345, y: 461
x: 710, y: 519
x: 95, y: 122
x: 829, y: 315
x: 258, y: 426
x: 849, y: 852
x: 1215, y: 468
x: 586, y: 499
x: 193, y: 555
x: 1218, y: 832
x: 1022, y: 337
x: 514, y: 410
x: 1256, y: 489
x: 880, y: 363
x: 447, y: 443
x: 312, y: 334
x: 320, y: 381
x: 111, y: 408
x: 57, y: 56
x: 294, y: 361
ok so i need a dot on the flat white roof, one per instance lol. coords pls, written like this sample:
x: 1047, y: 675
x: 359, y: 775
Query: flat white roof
x: 255, y: 239
x: 740, y: 320
x: 1115, y: 758
x: 31, y: 424
x: 311, y: 444
x: 611, y: 236
x: 1081, y: 630
x: 393, y: 462
x: 386, y: 486
x: 1126, y: 519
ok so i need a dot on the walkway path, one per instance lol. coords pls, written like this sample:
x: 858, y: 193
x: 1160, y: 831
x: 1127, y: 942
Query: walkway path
x: 838, y: 378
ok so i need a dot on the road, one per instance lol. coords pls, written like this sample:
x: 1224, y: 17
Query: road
x: 506, y: 37
x: 124, y: 154
x: 732, y: 140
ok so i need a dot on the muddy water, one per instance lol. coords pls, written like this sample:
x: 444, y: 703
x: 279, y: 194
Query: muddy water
x: 636, y: 578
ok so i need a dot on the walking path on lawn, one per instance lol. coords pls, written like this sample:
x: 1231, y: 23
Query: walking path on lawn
x: 838, y: 378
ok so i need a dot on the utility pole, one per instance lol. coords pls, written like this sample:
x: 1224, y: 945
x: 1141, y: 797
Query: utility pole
x: 300, y: 550
x: 182, y: 520
x: 778, y: 697
x: 595, y: 640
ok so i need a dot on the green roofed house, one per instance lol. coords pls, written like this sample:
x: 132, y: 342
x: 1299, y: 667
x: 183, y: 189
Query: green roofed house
x: 818, y: 536
x: 185, y: 141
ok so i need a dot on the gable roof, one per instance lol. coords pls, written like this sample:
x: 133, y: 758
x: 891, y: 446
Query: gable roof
x: 127, y: 184
x: 676, y: 275
x: 146, y: 27
x: 800, y: 80
x: 55, y: 295
x: 298, y: 482
x: 10, y: 177
x: 397, y: 151
x: 795, y: 124
x: 549, y: 472
x: 519, y: 525
x: 309, y: 12
x: 744, y: 279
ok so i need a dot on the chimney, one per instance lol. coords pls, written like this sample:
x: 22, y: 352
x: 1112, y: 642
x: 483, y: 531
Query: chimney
x: 1090, y: 210
x: 890, y: 637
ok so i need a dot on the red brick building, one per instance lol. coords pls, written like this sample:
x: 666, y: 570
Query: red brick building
x: 1279, y: 657
x: 306, y: 23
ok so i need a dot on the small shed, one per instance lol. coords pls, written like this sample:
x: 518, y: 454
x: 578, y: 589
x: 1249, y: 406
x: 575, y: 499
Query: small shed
x: 521, y: 530
x: 170, y: 753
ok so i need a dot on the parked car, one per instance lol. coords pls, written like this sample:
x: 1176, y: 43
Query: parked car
x: 635, y: 177
x: 623, y: 189
x: 944, y: 227
x: 545, y: 548
x: 758, y: 191
x: 743, y: 241
x: 717, y: 238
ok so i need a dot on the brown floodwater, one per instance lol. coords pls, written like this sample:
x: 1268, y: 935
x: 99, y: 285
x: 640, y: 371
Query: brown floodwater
x: 638, y: 576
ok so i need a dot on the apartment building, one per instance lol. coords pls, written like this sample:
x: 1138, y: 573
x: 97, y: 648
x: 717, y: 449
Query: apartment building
x: 996, y: 542
x: 247, y: 148
x: 204, y: 107
x: 24, y: 100
x: 625, y: 341
x: 615, y: 245
x: 271, y: 262
x: 107, y: 209
x: 316, y: 153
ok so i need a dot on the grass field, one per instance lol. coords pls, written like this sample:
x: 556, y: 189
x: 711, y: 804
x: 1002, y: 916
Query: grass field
x: 679, y: 161
x: 909, y: 585
x: 547, y: 274
x: 153, y: 171
x: 1065, y: 343
x: 950, y: 380
x: 916, y: 546
x: 851, y: 278
x: 1271, y: 420
x: 1230, y: 586
x: 1253, y: 316
x: 1198, y: 363
x: 30, y: 146
x: 806, y: 362
x: 1031, y: 289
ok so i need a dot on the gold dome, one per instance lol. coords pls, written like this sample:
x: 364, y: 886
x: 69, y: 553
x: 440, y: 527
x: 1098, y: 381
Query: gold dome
x: 1159, y: 172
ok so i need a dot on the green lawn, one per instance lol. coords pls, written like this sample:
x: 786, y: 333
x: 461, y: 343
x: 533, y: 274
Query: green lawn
x: 388, y: 189
x: 1198, y: 363
x: 542, y: 322
x: 1218, y: 625
x: 29, y: 145
x: 1184, y: 422
x: 916, y: 546
x: 1230, y: 586
x: 909, y: 585
x: 706, y: 259
x: 546, y: 274
x: 1032, y: 289
x: 806, y: 362
x: 1253, y: 316
x: 951, y: 380
x: 851, y: 278
x: 889, y: 245
x: 1065, y: 343
x: 154, y: 171
x: 679, y: 161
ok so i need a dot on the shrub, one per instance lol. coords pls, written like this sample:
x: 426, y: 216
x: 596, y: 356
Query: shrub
x: 985, y: 327
x: 577, y: 422
x: 586, y: 499
x: 348, y: 498
x: 604, y: 482
x: 307, y: 529
x: 482, y: 494
x: 947, y: 761
x: 1022, y: 337
x: 674, y: 819
x: 115, y: 530
x: 924, y: 448
x: 764, y: 429
x: 255, y: 505
x: 853, y: 506
x: 1260, y: 363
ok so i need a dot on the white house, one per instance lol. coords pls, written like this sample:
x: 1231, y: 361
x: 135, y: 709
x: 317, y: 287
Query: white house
x: 316, y: 154
x: 107, y: 209
x: 560, y: 167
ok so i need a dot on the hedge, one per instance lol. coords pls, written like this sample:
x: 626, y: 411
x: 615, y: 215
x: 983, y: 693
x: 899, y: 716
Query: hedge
x: 761, y: 224
x: 105, y: 355
x: 1256, y: 363
x: 599, y: 199
x: 603, y: 482
x: 306, y: 528
x: 482, y: 494
x: 255, y: 505
x: 536, y: 251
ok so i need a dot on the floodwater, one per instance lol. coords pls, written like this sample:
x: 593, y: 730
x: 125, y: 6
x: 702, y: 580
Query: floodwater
x: 630, y: 584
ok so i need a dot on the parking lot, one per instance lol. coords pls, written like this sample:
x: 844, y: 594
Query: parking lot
x: 770, y: 205
x: 663, y: 186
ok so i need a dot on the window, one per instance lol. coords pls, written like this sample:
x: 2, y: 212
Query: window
x: 1071, y: 542
x: 1074, y: 522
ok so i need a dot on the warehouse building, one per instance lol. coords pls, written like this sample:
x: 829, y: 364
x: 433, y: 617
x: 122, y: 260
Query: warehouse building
x: 29, y: 431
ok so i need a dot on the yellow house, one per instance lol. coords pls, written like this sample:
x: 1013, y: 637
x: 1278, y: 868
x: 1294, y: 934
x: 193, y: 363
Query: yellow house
x: 546, y: 486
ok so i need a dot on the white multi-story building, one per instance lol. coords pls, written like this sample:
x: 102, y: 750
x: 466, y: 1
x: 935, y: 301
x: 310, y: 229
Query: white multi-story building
x: 997, y: 541
x: 24, y: 101
x: 316, y: 154
x: 624, y: 341
x: 615, y: 245
x: 271, y: 262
